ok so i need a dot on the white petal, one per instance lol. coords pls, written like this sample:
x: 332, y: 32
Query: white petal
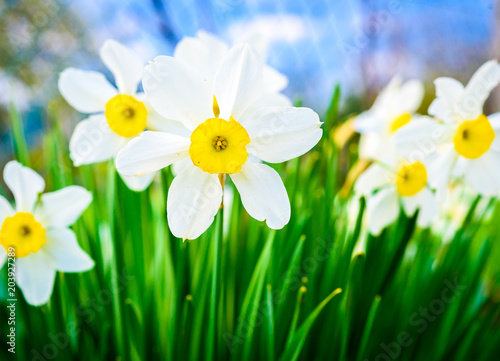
x: 368, y: 121
x: 24, y: 183
x: 35, y: 276
x: 63, y: 250
x: 274, y: 81
x: 151, y: 151
x: 158, y: 123
x: 138, y: 184
x: 193, y: 200
x: 278, y: 134
x: 263, y: 194
x: 177, y: 91
x: 6, y: 210
x: 204, y: 53
x: 383, y: 209
x: 93, y: 141
x: 409, y: 97
x: 62, y: 208
x: 448, y: 93
x: 266, y: 99
x: 373, y: 178
x: 428, y: 208
x: 181, y: 165
x: 421, y: 137
x: 238, y: 81
x: 479, y: 88
x: 86, y: 91
x: 375, y: 146
x: 495, y: 124
x: 483, y: 173
x: 411, y: 204
x: 439, y: 170
x: 385, y: 101
x: 125, y: 65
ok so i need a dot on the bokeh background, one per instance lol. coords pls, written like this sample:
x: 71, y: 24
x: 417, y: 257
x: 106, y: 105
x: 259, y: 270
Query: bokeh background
x: 317, y: 43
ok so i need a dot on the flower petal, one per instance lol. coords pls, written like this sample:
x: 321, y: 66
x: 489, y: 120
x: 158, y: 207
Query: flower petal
x: 86, y: 91
x: 422, y: 137
x: 193, y: 200
x: 274, y: 81
x: 64, y: 252
x: 278, y: 134
x: 448, y: 93
x: 35, y: 276
x: 6, y: 210
x: 63, y: 207
x: 383, y: 209
x: 263, y: 194
x: 374, y: 177
x: 479, y: 88
x: 409, y: 97
x: 238, y: 81
x: 158, y: 123
x: 428, y: 208
x: 151, y: 151
x: 177, y: 91
x: 204, y: 53
x: 24, y: 183
x: 138, y: 184
x: 439, y: 170
x: 483, y: 173
x: 93, y: 141
x: 125, y: 65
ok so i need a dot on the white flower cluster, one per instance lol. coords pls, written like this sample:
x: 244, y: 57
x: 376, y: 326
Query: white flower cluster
x: 416, y: 157
x: 210, y: 109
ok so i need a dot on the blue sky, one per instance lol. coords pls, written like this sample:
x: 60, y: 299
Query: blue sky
x: 315, y: 43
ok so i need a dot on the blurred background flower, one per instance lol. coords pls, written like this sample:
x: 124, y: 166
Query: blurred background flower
x: 317, y: 44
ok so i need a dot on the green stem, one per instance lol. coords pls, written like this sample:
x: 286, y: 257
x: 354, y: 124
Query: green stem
x: 212, y: 348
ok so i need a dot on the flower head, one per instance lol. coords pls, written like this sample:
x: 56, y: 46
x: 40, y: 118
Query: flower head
x: 394, y: 108
x: 36, y: 231
x: 461, y: 142
x: 387, y: 186
x: 228, y: 122
x: 118, y: 114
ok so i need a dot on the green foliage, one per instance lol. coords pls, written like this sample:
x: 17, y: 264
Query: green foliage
x: 319, y: 289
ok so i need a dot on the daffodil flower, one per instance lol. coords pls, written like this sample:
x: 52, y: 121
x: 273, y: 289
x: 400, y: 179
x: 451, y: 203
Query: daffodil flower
x: 118, y: 115
x: 461, y: 142
x: 388, y: 187
x: 36, y: 232
x: 227, y: 123
x: 394, y: 108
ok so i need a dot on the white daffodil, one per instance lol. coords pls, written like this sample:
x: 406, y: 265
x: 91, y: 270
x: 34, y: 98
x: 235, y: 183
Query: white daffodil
x: 37, y: 230
x: 387, y: 186
x: 205, y: 53
x: 118, y: 115
x: 394, y: 107
x: 462, y: 142
x: 227, y: 123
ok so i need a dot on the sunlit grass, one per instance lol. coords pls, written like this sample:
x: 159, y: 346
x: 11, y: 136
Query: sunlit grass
x: 319, y: 289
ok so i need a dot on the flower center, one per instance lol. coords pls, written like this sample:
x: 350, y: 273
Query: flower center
x: 474, y: 137
x: 22, y: 232
x: 411, y: 179
x: 219, y: 146
x: 126, y: 116
x: 400, y: 121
